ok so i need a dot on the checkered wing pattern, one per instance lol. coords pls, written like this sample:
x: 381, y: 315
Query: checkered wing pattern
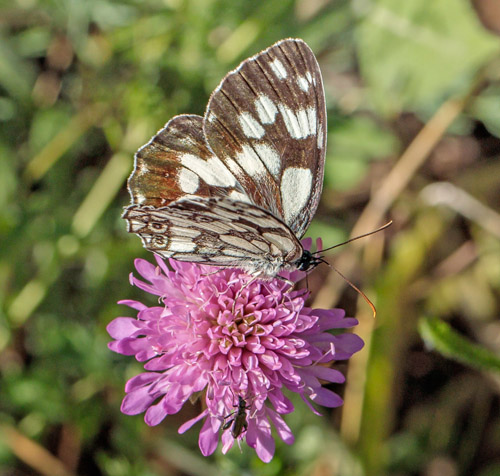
x: 217, y: 231
x: 238, y: 187
x: 266, y: 121
x: 177, y: 162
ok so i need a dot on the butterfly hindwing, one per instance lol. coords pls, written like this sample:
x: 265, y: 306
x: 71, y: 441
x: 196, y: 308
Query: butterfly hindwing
x: 216, y: 231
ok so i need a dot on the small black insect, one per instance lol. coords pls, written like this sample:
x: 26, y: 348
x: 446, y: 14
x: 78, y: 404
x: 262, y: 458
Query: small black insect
x: 239, y: 421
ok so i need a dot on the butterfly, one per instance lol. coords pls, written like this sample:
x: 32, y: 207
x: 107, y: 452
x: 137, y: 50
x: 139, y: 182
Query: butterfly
x: 239, y: 186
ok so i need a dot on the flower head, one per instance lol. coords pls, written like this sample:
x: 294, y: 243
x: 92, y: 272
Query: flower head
x: 236, y: 341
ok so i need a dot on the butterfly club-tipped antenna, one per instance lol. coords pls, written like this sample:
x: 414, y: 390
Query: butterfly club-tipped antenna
x: 311, y: 260
x: 364, y: 235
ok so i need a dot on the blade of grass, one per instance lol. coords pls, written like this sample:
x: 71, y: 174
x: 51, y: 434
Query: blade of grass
x: 31, y: 453
x: 439, y: 335
x: 101, y: 194
x: 55, y: 149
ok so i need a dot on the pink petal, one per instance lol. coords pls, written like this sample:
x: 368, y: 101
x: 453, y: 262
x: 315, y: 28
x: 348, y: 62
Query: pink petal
x: 140, y: 380
x: 227, y: 441
x: 282, y: 428
x: 281, y: 403
x: 128, y: 346
x: 162, y: 265
x: 208, y: 438
x: 187, y: 425
x: 309, y: 404
x: 136, y: 402
x: 326, y: 373
x: 346, y: 345
x: 133, y: 304
x: 122, y: 327
x: 155, y: 414
x: 265, y: 444
x: 145, y: 269
x: 326, y: 398
x: 306, y: 243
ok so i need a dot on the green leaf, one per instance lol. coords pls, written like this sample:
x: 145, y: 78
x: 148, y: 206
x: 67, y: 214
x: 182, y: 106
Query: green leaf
x: 352, y: 144
x: 361, y: 137
x: 413, y: 54
x: 439, y: 335
x: 486, y: 108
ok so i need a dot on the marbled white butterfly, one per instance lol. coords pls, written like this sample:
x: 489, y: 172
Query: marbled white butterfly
x: 238, y: 187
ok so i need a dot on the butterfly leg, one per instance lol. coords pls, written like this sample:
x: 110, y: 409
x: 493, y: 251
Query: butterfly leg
x: 228, y: 423
x: 245, y: 285
x: 213, y: 272
x: 287, y: 281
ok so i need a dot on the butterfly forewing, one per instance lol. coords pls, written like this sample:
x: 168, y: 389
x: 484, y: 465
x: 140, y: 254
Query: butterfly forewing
x: 238, y: 187
x: 266, y: 121
x: 177, y: 162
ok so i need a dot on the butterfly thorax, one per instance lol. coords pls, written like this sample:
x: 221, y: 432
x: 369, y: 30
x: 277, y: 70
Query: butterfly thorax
x: 307, y: 261
x: 269, y: 267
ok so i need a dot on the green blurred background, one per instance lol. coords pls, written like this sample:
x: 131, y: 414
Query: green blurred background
x: 413, y: 135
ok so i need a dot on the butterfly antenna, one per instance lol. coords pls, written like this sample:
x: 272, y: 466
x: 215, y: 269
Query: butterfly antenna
x: 364, y: 296
x: 383, y: 227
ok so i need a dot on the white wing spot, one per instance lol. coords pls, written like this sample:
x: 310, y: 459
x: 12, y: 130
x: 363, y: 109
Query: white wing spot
x: 188, y: 180
x: 223, y: 260
x: 270, y: 157
x: 140, y: 197
x: 320, y: 136
x: 266, y: 222
x: 312, y: 118
x: 291, y: 122
x: 266, y: 109
x: 303, y: 122
x: 309, y: 77
x: 303, y: 83
x: 250, y: 162
x: 275, y: 251
x: 232, y: 166
x: 281, y: 242
x: 235, y: 253
x: 300, y: 124
x: 184, y: 232
x: 278, y: 69
x: 261, y: 245
x: 213, y: 227
x: 191, y: 257
x: 239, y: 196
x: 251, y: 128
x: 212, y: 171
x: 144, y: 170
x: 240, y: 243
x: 181, y: 246
x: 296, y: 186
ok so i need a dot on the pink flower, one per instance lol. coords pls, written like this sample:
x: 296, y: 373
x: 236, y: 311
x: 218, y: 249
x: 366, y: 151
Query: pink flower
x: 234, y: 339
